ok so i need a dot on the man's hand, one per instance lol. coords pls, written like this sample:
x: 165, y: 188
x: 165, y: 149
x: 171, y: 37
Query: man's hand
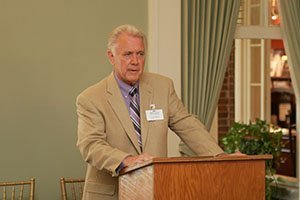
x: 132, y: 160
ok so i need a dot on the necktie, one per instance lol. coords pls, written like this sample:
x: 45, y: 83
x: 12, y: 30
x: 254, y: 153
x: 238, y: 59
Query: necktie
x: 134, y: 110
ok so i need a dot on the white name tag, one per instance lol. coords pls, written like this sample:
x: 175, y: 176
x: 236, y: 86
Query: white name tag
x: 154, y: 114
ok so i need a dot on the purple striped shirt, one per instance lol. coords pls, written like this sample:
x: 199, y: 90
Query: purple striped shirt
x: 125, y: 88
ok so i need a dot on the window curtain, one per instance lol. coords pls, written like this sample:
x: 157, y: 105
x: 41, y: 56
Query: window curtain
x: 208, y: 29
x: 290, y: 28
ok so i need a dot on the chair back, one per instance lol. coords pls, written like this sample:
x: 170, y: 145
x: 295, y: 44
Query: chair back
x: 71, y: 189
x: 18, y: 190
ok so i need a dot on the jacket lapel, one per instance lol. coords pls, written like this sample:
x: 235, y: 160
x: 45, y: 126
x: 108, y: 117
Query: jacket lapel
x: 117, y: 103
x: 146, y: 97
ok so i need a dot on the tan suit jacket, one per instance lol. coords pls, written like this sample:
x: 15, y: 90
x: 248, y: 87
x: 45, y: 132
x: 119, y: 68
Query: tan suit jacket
x: 106, y: 134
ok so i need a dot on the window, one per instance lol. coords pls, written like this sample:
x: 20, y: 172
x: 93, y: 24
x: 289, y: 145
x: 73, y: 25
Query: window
x: 252, y: 49
x: 263, y: 87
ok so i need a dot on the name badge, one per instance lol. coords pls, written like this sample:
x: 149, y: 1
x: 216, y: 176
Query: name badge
x: 154, y: 114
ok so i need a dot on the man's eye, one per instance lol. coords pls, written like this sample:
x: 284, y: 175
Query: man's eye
x: 141, y: 53
x: 127, y: 54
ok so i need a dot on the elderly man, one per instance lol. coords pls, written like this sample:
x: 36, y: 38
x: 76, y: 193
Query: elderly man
x: 124, y: 118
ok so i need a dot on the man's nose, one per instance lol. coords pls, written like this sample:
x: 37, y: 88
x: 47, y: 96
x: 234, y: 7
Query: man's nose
x: 134, y: 59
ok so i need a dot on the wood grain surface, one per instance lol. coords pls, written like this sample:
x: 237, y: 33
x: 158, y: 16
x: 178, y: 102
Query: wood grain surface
x: 186, y: 178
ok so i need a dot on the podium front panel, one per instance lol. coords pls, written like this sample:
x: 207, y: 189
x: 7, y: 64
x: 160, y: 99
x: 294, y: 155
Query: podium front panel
x: 203, y: 178
x: 228, y: 180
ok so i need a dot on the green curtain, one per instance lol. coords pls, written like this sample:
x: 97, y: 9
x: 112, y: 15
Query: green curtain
x: 290, y: 28
x: 208, y: 29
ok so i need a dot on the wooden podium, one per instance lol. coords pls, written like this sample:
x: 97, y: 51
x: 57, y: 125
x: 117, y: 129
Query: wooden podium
x: 192, y: 178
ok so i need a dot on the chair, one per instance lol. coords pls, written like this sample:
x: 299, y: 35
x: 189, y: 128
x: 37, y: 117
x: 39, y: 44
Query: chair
x: 71, y: 188
x: 18, y: 189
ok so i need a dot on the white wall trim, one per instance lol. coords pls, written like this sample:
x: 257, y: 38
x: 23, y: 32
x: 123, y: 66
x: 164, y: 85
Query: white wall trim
x: 237, y: 81
x: 153, y: 36
x: 258, y: 32
x: 164, y: 49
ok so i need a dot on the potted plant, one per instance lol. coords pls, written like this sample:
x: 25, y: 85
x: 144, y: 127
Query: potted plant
x: 256, y: 139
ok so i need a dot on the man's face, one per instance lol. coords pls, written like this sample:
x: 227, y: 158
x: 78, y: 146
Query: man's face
x: 129, y: 58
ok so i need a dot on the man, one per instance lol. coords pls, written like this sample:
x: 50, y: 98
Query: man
x: 113, y: 134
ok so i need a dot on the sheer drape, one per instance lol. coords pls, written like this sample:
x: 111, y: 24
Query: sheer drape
x: 290, y: 27
x: 207, y: 36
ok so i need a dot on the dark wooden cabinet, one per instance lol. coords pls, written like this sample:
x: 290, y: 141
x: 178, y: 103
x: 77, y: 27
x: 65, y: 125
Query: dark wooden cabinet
x: 286, y: 163
x: 283, y: 102
x: 283, y: 112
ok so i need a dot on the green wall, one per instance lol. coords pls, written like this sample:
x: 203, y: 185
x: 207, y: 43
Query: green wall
x: 50, y: 50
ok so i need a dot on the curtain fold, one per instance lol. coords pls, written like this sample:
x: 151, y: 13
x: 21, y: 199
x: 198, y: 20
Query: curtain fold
x: 207, y: 37
x: 290, y: 28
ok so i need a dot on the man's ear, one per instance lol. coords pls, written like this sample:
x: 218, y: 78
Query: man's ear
x: 111, y: 57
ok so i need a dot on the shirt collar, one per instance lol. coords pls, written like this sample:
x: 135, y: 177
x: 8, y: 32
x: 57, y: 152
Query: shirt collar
x: 124, y: 87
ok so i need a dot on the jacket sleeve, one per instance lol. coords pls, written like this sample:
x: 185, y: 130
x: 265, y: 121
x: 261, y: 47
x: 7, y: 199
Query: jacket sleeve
x: 92, y: 142
x: 192, y: 132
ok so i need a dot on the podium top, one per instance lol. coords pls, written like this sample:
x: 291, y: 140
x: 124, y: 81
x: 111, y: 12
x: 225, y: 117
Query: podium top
x: 160, y: 160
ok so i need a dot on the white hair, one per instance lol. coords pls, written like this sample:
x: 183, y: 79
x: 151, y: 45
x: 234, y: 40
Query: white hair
x: 126, y: 28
